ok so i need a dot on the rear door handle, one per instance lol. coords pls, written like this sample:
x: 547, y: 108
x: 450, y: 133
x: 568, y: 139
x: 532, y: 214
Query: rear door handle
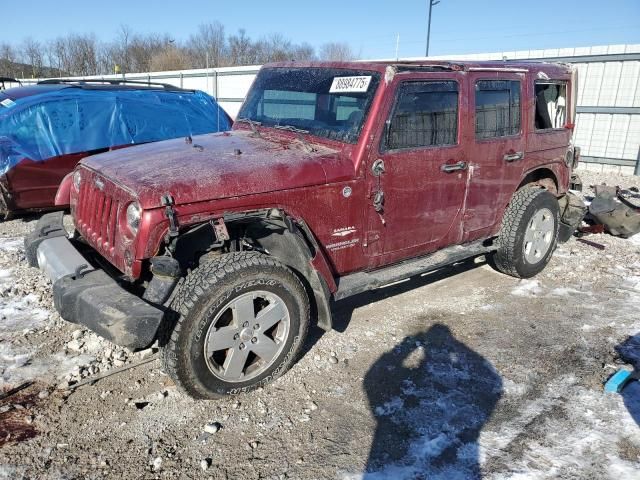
x: 452, y: 167
x: 512, y: 157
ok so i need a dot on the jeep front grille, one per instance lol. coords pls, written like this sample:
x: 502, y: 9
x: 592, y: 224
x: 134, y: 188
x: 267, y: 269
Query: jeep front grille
x: 96, y: 216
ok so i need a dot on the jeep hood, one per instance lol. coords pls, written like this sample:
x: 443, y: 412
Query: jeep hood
x: 217, y: 166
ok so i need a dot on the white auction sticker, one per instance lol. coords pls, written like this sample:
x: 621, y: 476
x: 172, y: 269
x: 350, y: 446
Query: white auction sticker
x: 7, y: 102
x: 350, y: 84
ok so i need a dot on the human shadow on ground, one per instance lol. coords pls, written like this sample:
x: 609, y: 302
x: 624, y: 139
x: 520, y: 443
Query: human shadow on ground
x: 431, y: 396
x: 629, y: 350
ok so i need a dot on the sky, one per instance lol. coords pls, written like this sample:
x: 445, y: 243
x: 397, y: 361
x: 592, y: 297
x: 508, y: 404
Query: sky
x: 370, y: 27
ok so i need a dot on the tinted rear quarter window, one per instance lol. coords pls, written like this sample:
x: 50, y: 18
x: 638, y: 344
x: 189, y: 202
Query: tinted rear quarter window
x: 425, y: 115
x: 497, y: 108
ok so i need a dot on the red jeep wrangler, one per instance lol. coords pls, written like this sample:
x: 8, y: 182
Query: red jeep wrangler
x: 337, y: 178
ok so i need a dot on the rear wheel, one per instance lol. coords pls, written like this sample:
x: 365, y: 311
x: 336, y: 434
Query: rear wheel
x: 529, y: 233
x: 242, y: 319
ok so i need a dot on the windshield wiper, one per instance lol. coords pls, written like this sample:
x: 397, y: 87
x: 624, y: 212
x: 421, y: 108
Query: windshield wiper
x: 252, y: 124
x: 291, y: 128
x: 299, y: 131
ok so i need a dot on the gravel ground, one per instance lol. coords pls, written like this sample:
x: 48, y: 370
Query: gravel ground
x: 463, y: 373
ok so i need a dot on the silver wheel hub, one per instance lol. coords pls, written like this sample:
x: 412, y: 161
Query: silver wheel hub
x: 539, y: 236
x: 247, y: 336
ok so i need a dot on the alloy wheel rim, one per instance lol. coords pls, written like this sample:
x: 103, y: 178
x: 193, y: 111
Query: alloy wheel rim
x: 539, y: 236
x: 247, y: 336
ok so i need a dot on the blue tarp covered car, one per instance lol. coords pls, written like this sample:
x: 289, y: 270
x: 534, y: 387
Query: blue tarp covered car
x: 45, y: 129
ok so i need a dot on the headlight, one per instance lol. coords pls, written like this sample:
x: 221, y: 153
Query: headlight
x: 77, y: 178
x: 133, y: 217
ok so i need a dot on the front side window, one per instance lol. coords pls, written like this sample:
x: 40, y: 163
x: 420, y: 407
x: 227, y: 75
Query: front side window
x: 497, y: 108
x: 326, y: 102
x: 551, y: 105
x: 425, y: 115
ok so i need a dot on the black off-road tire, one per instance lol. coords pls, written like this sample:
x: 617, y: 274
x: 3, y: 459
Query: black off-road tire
x: 510, y: 256
x: 204, y: 293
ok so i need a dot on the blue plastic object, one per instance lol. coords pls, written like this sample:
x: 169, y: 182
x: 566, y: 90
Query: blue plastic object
x: 74, y: 120
x: 617, y: 382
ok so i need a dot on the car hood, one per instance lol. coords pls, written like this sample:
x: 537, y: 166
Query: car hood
x: 220, y: 165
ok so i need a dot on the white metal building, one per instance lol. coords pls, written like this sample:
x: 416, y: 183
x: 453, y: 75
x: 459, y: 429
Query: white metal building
x: 608, y: 123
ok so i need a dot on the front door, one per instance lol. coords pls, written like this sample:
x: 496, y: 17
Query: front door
x: 418, y: 174
x: 496, y: 149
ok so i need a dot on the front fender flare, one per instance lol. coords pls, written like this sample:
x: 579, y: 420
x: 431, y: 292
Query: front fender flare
x: 63, y: 195
x: 294, y: 245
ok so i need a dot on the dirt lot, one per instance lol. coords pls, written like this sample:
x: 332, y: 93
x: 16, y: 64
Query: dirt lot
x: 464, y: 373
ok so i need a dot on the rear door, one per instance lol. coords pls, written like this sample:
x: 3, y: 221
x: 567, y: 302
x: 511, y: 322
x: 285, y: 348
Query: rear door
x: 424, y: 168
x: 496, y: 147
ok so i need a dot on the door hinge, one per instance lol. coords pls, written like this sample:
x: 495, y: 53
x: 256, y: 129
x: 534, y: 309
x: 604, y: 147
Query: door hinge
x: 377, y: 169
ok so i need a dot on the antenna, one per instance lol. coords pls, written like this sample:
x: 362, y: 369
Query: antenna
x: 432, y: 3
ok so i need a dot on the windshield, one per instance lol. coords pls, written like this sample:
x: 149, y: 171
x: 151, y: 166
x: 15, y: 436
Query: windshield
x: 326, y: 102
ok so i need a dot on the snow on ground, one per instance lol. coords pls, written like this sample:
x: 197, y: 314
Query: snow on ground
x: 527, y: 288
x: 466, y: 373
x: 21, y: 315
x: 11, y: 244
x: 446, y: 413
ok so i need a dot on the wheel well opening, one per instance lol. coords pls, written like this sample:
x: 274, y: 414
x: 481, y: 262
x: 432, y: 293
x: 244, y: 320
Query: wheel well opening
x: 542, y: 177
x: 270, y: 233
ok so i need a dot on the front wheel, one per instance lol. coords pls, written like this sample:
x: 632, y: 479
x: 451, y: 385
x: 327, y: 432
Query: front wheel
x: 529, y: 233
x: 242, y: 320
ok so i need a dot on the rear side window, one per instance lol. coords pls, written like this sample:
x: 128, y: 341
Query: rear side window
x: 425, y: 115
x: 551, y: 105
x: 497, y: 108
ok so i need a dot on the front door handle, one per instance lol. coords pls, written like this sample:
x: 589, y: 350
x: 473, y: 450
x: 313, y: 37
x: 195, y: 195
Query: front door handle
x: 452, y: 167
x: 513, y: 156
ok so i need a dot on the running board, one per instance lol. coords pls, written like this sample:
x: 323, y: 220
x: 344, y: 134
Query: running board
x: 363, y: 281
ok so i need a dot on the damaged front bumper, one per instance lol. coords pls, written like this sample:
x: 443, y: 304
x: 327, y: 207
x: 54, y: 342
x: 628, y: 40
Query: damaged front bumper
x: 88, y: 296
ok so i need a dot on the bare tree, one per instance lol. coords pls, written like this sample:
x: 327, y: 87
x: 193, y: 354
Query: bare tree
x: 274, y: 48
x: 58, y: 55
x: 242, y: 51
x: 82, y: 55
x: 108, y: 56
x: 170, y: 58
x: 8, y: 59
x: 33, y: 55
x: 209, y: 40
x: 336, y: 51
x: 303, y: 52
x: 122, y: 48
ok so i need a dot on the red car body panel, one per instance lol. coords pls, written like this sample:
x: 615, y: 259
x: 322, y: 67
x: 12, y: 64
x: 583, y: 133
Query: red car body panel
x: 33, y: 185
x: 219, y: 166
x: 426, y: 208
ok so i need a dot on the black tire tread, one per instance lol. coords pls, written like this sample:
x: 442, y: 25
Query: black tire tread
x: 505, y: 257
x: 208, y: 276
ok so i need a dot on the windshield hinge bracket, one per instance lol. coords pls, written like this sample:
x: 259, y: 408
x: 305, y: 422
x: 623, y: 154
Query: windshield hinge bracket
x: 168, y: 202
